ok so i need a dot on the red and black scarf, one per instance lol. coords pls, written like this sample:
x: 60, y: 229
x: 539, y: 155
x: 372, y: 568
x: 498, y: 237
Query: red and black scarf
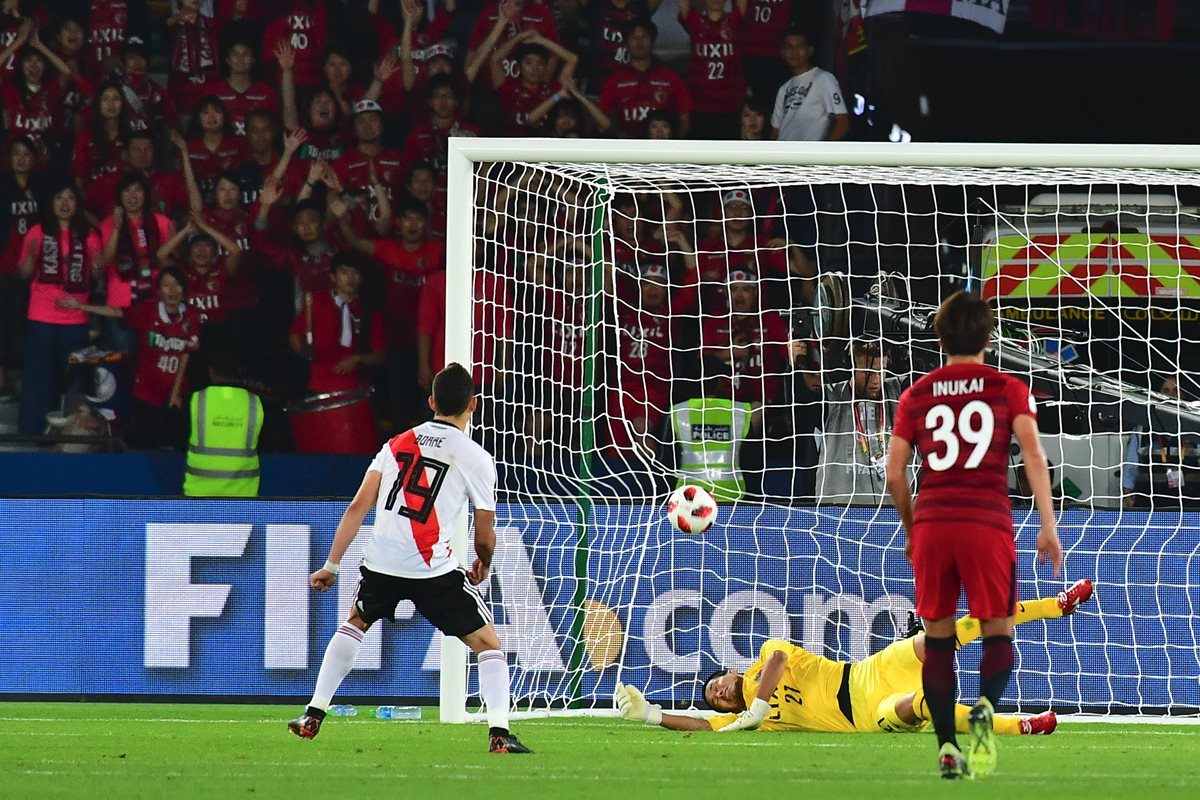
x: 65, y: 267
x: 193, y: 53
x: 129, y: 264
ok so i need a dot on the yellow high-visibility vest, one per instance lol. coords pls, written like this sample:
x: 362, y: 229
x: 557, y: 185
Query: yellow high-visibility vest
x: 222, y: 456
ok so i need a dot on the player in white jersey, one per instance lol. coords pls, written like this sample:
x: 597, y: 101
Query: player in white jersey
x: 419, y: 483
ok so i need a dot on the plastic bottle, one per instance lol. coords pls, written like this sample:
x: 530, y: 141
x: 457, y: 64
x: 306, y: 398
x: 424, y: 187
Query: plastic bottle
x: 342, y: 711
x: 397, y: 712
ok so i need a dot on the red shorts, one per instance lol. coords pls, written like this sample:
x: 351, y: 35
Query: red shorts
x: 979, y: 558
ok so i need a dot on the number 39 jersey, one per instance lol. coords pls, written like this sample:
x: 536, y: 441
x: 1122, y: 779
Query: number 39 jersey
x: 429, y: 473
x: 960, y: 418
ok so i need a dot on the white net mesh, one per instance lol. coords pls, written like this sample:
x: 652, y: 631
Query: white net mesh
x: 751, y: 328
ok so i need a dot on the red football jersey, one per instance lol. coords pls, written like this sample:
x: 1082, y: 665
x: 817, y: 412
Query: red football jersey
x: 960, y: 418
x: 163, y: 340
x: 405, y: 272
x: 763, y: 28
x: 305, y: 27
x: 628, y: 96
x: 715, y: 67
x: 239, y: 104
x: 519, y: 100
x: 759, y: 345
x: 533, y: 16
x: 606, y: 24
x: 107, y: 25
x: 206, y: 292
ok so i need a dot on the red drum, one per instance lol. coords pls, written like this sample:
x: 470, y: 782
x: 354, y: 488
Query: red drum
x: 334, y: 422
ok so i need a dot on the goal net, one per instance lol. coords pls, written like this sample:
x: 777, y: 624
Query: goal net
x: 640, y: 317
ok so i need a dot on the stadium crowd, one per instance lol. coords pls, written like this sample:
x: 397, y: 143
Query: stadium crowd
x: 269, y: 179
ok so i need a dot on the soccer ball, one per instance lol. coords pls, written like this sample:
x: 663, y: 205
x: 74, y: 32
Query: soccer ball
x: 691, y: 509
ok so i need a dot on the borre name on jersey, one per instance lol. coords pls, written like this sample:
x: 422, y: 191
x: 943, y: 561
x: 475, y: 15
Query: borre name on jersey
x: 428, y: 475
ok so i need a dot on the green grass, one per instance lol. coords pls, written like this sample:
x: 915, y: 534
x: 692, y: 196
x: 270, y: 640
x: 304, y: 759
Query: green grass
x: 97, y: 751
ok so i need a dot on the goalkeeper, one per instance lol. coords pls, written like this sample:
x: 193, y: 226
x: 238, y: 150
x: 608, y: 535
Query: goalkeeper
x: 791, y: 689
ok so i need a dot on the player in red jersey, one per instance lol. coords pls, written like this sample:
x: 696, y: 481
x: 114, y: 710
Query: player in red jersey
x: 962, y: 417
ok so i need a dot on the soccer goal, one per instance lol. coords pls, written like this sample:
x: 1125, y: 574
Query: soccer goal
x: 745, y: 315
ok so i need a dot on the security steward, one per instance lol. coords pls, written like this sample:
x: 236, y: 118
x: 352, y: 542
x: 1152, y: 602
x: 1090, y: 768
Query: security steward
x: 222, y: 455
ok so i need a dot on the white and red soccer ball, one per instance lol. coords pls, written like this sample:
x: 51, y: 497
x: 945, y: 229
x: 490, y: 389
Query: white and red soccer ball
x: 691, y: 509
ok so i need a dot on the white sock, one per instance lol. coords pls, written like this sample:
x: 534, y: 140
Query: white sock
x: 493, y: 686
x: 338, y: 661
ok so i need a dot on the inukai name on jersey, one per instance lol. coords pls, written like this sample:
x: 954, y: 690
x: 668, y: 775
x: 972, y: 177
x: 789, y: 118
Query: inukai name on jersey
x: 955, y: 388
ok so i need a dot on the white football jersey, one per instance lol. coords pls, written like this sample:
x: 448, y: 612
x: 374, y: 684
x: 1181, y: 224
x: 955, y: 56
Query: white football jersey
x: 429, y: 472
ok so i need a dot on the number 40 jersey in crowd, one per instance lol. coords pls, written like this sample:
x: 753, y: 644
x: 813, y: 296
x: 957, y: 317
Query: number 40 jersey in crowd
x: 429, y: 473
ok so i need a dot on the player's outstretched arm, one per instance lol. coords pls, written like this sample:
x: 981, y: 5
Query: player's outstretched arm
x: 347, y: 529
x: 1038, y: 475
x: 633, y: 706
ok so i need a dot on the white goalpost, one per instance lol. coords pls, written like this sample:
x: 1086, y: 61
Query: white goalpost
x: 745, y: 314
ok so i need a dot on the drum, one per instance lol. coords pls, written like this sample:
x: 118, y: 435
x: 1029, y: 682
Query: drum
x: 334, y: 422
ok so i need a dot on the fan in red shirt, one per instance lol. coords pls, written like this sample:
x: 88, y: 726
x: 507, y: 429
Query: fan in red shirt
x: 737, y: 247
x: 536, y: 81
x: 764, y: 22
x: 428, y: 141
x: 606, y: 22
x: 305, y: 29
x: 641, y: 387
x: 148, y: 102
x: 323, y: 118
x: 194, y: 57
x: 493, y: 326
x: 407, y: 263
x: 108, y: 25
x: 715, y: 67
x: 168, y: 192
x: 209, y: 260
x: 213, y: 149
x: 99, y: 146
x: 240, y: 93
x: 369, y: 163
x: 330, y: 331
x: 32, y: 98
x: 499, y: 22
x: 746, y: 350
x: 961, y: 418
x: 309, y: 255
x: 167, y: 330
x: 644, y: 85
x: 415, y: 48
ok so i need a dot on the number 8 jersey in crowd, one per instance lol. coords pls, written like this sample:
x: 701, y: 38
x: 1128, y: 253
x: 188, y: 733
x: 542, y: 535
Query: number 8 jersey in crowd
x: 960, y: 418
x: 429, y: 473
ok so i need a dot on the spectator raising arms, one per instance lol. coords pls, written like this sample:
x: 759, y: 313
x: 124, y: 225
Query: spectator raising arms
x: 32, y: 99
x: 715, y: 66
x: 536, y: 82
x: 61, y: 256
x: 499, y: 22
x: 168, y: 332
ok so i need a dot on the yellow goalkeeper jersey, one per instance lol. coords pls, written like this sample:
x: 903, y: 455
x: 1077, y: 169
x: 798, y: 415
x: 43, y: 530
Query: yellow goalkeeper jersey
x: 807, y: 696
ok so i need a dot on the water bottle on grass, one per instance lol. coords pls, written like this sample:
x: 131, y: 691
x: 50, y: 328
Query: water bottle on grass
x: 342, y: 711
x: 397, y: 712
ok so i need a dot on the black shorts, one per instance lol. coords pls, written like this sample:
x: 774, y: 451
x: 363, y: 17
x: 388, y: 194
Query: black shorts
x: 449, y: 602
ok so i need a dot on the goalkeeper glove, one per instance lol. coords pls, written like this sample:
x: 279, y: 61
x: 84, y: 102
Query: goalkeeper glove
x: 633, y: 706
x: 751, y: 718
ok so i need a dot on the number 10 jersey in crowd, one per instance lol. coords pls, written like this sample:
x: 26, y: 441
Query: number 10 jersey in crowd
x: 429, y: 473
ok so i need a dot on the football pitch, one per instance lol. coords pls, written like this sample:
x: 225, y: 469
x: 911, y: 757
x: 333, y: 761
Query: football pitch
x: 100, y: 750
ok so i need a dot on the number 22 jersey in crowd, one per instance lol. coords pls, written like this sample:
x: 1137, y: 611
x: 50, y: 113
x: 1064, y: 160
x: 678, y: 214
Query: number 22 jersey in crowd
x: 429, y: 472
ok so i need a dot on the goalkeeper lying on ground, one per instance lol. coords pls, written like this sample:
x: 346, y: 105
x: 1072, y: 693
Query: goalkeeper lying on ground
x: 791, y: 689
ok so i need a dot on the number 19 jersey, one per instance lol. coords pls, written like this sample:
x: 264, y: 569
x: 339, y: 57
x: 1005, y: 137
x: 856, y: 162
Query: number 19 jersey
x: 960, y: 418
x: 429, y: 473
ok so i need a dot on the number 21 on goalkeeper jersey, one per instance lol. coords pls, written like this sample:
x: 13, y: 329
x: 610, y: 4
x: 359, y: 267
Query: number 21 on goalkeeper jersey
x: 960, y: 418
x: 428, y: 475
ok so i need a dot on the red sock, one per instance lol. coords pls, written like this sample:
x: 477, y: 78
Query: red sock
x: 995, y: 667
x: 941, y: 686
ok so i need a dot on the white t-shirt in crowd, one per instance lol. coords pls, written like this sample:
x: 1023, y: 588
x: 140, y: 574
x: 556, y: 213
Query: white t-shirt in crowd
x: 429, y: 472
x: 804, y: 105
